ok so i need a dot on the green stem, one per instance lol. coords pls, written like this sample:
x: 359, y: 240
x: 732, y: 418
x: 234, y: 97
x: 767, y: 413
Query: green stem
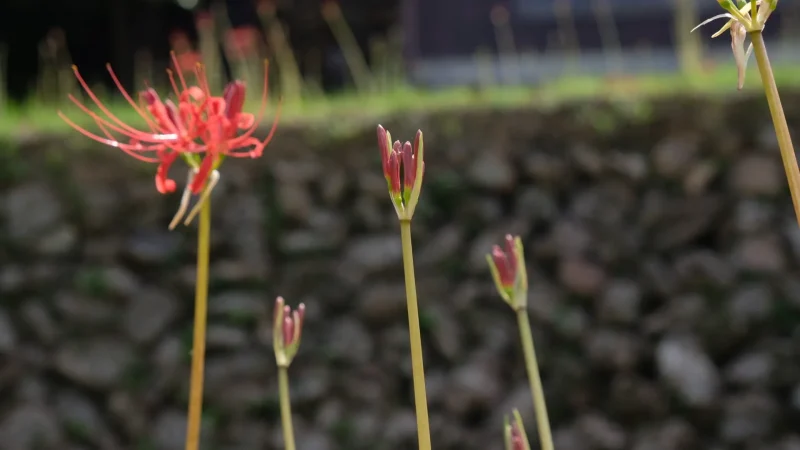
x: 199, y: 338
x: 417, y: 369
x: 542, y: 421
x: 778, y: 119
x: 286, y: 407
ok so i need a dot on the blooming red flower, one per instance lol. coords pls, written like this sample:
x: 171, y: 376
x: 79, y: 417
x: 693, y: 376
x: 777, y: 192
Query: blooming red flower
x: 199, y: 125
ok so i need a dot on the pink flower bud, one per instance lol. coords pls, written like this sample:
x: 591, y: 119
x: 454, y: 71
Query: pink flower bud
x: 279, y: 302
x: 409, y: 166
x: 288, y: 330
x: 517, y: 443
x: 234, y: 94
x: 394, y: 173
x: 383, y: 146
x: 504, y: 268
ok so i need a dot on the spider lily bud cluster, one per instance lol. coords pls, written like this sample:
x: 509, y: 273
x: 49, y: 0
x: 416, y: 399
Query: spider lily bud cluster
x: 750, y: 17
x: 514, y: 432
x: 403, y: 168
x: 507, y: 265
x: 287, y: 330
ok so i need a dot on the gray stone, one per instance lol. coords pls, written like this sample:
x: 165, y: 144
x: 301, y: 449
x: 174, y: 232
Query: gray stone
x: 751, y: 369
x: 373, y: 253
x: 382, y: 303
x: 688, y: 370
x: 30, y: 426
x: 761, y: 253
x: 348, y: 340
x: 673, y: 155
x: 31, y: 210
x: 8, y: 334
x: 612, y: 349
x: 99, y: 363
x: 758, y: 175
x: 620, y: 302
x: 602, y: 433
x: 748, y: 417
x: 581, y: 277
x: 153, y: 247
x: 493, y: 171
x: 751, y: 303
x: 149, y: 314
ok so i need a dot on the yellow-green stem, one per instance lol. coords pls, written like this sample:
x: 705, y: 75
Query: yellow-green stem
x: 286, y: 408
x: 417, y: 368
x: 199, y: 335
x: 778, y: 119
x: 542, y: 421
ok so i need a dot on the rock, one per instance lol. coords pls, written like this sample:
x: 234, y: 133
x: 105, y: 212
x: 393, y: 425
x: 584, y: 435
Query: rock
x: 446, y: 245
x: 80, y: 417
x: 31, y: 210
x: 447, y: 333
x: 8, y: 334
x: 222, y: 337
x: 149, y: 314
x: 601, y: 433
x: 82, y: 309
x: 613, y: 350
x: 620, y: 302
x: 581, y: 277
x: 748, y: 417
x: 382, y: 303
x: 757, y: 175
x: 346, y: 339
x: 751, y: 369
x: 753, y: 216
x: 373, y: 253
x: 240, y: 306
x: 39, y: 319
x: 400, y: 429
x: 673, y: 434
x: 673, y: 155
x: 700, y: 177
x: 493, y: 171
x: 547, y: 168
x: 535, y: 205
x: 59, y: 241
x: 98, y: 363
x: 151, y: 247
x: 295, y: 201
x: 30, y: 426
x: 474, y: 387
x: 751, y: 303
x: 761, y: 253
x: 688, y: 370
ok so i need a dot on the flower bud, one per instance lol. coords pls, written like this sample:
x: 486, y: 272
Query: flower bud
x: 287, y: 330
x: 508, y: 271
x: 514, y: 432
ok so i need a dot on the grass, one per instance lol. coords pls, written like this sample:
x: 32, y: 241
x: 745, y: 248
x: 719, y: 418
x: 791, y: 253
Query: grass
x: 33, y: 118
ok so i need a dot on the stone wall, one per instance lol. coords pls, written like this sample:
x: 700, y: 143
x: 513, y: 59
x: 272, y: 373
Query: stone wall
x: 662, y: 253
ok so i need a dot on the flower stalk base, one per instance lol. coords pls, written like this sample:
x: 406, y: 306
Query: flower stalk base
x: 418, y: 371
x: 535, y: 380
x: 199, y: 335
x: 286, y: 407
x: 778, y: 119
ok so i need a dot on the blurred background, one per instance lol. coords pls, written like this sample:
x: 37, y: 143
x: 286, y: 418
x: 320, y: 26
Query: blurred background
x: 649, y: 192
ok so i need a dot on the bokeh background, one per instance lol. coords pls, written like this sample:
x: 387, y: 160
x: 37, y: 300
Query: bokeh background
x: 663, y: 251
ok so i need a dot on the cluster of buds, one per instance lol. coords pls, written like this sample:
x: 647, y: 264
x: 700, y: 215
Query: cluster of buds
x: 514, y: 433
x: 508, y: 271
x: 747, y: 17
x: 201, y: 128
x: 286, y: 332
x: 403, y: 167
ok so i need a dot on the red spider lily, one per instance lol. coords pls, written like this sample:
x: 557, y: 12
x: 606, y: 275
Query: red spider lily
x: 199, y: 123
x: 506, y: 262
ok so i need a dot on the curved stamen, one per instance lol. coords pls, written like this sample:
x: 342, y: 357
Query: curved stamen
x: 127, y: 96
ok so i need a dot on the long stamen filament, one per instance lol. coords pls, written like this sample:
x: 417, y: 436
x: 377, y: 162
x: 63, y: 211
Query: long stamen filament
x: 185, y: 197
x: 212, y: 181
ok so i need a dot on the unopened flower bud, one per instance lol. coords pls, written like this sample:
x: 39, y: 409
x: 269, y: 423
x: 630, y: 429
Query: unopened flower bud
x: 287, y: 330
x: 403, y: 167
x: 234, y: 95
x: 514, y: 432
x: 508, y: 271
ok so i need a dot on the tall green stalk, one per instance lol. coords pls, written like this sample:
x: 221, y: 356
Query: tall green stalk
x: 417, y: 369
x: 778, y: 119
x: 199, y: 335
x: 535, y: 380
x: 286, y: 407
